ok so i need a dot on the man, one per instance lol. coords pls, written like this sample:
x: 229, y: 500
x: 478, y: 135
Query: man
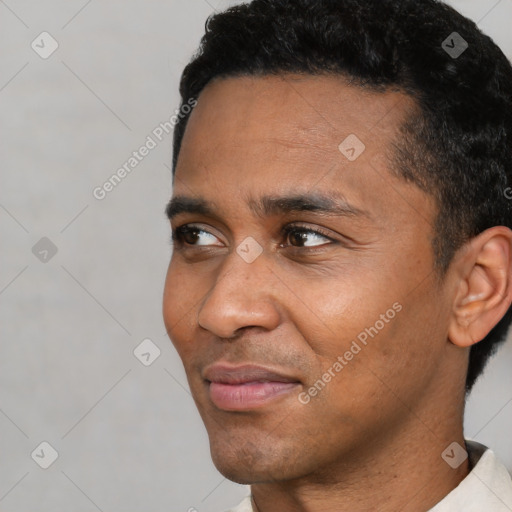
x: 342, y: 264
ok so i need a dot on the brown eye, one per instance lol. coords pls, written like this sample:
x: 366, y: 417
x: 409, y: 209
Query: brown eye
x: 190, y: 236
x: 299, y: 237
x: 194, y: 236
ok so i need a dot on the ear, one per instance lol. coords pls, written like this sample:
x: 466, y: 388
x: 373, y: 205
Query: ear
x: 484, y: 286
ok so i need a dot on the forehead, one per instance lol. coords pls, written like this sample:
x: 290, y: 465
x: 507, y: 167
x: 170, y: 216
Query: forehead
x: 297, y: 108
x: 251, y: 134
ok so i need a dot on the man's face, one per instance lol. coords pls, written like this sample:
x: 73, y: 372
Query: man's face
x: 261, y: 322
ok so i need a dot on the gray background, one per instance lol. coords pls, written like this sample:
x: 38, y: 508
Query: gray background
x: 128, y: 435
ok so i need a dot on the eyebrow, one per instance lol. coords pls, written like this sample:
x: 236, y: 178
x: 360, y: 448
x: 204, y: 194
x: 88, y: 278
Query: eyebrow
x: 267, y: 206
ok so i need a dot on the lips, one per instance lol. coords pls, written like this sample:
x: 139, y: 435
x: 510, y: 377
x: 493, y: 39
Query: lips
x: 237, y: 388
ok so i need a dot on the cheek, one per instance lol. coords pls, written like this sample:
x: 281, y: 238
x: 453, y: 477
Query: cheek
x: 387, y: 361
x: 383, y: 338
x: 172, y: 306
x: 342, y: 311
x: 181, y: 295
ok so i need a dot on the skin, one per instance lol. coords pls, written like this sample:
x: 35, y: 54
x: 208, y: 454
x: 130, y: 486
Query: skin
x: 375, y: 433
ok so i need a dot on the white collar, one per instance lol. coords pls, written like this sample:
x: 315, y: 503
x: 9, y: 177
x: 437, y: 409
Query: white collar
x: 487, y: 487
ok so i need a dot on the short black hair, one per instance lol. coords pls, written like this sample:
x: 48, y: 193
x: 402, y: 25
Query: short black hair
x: 457, y: 146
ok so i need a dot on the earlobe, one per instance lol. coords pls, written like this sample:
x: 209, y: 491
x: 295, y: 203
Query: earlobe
x: 485, y: 286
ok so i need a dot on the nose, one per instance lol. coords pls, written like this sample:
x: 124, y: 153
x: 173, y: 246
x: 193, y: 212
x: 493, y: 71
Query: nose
x: 242, y: 296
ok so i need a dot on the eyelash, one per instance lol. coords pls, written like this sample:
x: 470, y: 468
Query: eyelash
x: 179, y: 232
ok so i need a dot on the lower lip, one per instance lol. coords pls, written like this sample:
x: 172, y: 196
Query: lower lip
x: 250, y: 395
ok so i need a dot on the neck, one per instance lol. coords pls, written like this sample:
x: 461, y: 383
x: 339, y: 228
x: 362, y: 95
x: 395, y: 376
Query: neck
x: 405, y: 473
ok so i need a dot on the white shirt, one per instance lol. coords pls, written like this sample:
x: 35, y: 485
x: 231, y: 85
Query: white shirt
x: 487, y: 488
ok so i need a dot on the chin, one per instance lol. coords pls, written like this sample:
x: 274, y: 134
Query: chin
x: 239, y: 461
x: 246, y: 474
x: 243, y: 476
x: 244, y: 462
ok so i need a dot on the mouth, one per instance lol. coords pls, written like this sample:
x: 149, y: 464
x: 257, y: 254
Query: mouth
x: 246, y: 387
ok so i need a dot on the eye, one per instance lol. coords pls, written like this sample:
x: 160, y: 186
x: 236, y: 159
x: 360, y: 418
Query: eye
x: 305, y: 237
x: 193, y: 235
x: 294, y: 236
